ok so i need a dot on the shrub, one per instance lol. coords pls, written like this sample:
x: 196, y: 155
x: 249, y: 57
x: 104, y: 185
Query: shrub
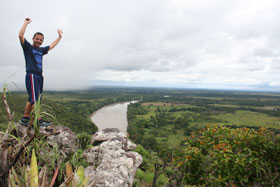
x: 84, y: 140
x: 221, y: 156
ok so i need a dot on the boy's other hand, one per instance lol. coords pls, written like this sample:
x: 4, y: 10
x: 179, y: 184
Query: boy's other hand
x: 27, y: 20
x: 60, y: 32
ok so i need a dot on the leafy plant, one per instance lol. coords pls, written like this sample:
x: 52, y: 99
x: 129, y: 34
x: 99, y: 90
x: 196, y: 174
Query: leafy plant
x: 84, y: 140
x: 76, y: 179
x: 33, y: 171
x: 10, y: 162
x: 28, y: 177
x: 221, y: 156
x: 9, y: 156
x: 41, y: 111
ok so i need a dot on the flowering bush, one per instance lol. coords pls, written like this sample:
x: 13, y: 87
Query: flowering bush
x: 222, y: 156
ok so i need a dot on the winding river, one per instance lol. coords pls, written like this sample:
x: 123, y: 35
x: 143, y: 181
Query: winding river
x: 111, y: 116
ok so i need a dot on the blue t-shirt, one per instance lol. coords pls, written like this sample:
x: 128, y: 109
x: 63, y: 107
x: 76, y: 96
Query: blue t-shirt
x: 34, y: 57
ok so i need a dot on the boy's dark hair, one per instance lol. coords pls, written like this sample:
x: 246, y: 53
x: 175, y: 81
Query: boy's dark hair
x: 38, y: 33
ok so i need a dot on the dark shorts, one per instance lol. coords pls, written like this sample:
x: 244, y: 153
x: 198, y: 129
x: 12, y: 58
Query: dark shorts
x: 34, y: 86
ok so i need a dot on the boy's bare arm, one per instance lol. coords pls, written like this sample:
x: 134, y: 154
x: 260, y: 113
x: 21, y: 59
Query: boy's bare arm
x: 23, y: 28
x: 54, y: 43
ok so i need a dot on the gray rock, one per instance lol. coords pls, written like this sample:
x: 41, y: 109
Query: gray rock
x: 107, y: 134
x: 112, y: 162
x: 91, y: 155
x: 65, y: 139
x: 63, y: 136
x: 112, y: 133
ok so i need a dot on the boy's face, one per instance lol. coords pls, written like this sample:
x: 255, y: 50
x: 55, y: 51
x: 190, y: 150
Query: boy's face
x: 38, y: 40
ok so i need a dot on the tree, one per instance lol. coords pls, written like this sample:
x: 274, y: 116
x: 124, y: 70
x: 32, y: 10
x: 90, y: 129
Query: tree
x: 149, y: 143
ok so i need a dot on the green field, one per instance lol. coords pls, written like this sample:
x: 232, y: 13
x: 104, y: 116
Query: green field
x: 239, y: 117
x: 248, y: 118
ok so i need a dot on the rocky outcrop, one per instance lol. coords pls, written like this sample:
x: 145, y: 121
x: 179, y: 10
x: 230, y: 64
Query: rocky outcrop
x: 65, y: 139
x: 111, y: 159
x: 113, y: 163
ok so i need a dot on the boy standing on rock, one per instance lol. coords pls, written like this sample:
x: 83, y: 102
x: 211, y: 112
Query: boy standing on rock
x: 33, y: 55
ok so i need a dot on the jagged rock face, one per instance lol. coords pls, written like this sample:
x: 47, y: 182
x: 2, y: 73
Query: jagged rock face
x: 63, y: 136
x: 113, y: 164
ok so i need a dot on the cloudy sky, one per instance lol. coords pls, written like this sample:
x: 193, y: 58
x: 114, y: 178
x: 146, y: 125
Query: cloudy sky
x: 232, y: 44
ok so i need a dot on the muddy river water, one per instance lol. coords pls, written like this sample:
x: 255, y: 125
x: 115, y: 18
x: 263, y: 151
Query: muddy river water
x: 111, y: 116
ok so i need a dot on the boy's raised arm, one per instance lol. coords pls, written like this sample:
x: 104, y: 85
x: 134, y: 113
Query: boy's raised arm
x: 54, y: 43
x: 23, y: 28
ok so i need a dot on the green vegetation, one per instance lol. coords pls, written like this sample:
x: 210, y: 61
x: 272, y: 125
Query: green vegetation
x: 170, y: 119
x: 249, y: 118
x: 163, y: 123
x: 222, y: 156
x: 71, y: 109
x: 15, y: 154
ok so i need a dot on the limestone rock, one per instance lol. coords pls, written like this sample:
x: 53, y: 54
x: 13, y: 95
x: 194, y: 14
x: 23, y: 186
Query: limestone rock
x: 63, y: 136
x: 91, y: 155
x: 107, y: 134
x: 112, y: 133
x: 114, y: 164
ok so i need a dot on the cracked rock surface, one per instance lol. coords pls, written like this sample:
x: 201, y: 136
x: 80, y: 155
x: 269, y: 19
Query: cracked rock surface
x: 112, y: 161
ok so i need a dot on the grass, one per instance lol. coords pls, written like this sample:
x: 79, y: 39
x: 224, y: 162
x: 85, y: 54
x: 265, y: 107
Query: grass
x: 152, y: 107
x: 239, y: 118
x: 198, y: 124
x: 145, y: 178
x: 167, y: 105
x: 167, y: 133
x: 248, y: 118
x: 175, y: 139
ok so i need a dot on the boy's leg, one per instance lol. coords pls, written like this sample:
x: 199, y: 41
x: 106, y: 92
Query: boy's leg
x: 26, y: 116
x: 34, y: 86
x: 32, y: 90
x: 40, y: 79
x: 28, y: 109
x: 41, y: 85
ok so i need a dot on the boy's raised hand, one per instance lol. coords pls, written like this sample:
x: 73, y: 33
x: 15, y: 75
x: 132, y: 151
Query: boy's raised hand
x: 59, y: 31
x: 54, y: 43
x: 27, y: 20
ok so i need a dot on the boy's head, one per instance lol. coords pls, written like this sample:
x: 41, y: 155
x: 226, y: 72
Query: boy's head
x: 38, y: 39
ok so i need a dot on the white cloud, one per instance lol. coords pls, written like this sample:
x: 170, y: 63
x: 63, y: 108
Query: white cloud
x: 219, y: 44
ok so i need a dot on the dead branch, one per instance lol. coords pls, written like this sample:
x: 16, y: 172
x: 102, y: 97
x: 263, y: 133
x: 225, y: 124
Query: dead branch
x: 7, y: 108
